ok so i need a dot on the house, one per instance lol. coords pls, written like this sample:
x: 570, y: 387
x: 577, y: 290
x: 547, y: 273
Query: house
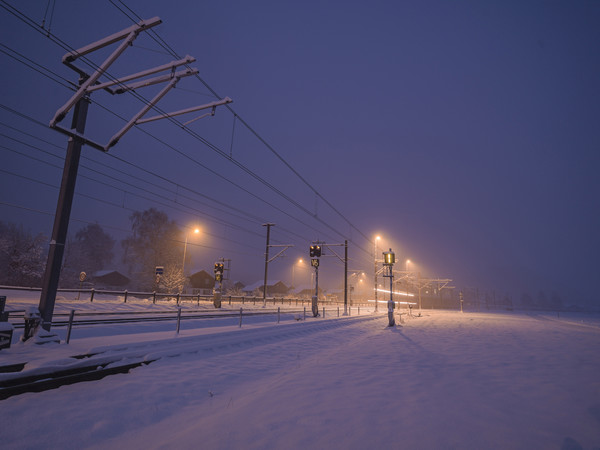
x: 303, y: 291
x: 109, y: 279
x: 273, y: 288
x: 202, y: 283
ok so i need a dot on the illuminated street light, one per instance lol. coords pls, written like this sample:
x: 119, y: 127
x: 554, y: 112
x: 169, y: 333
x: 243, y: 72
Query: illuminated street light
x: 196, y: 231
x: 300, y: 261
x: 375, y: 258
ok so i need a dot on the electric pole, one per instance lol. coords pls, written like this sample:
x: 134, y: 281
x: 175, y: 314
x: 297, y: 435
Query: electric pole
x: 268, y: 225
x: 61, y: 218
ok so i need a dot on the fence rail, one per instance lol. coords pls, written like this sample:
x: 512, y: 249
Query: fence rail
x: 180, y: 297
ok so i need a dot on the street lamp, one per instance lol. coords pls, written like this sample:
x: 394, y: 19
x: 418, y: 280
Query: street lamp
x: 375, y: 258
x: 407, y: 278
x: 196, y: 231
x: 293, y: 270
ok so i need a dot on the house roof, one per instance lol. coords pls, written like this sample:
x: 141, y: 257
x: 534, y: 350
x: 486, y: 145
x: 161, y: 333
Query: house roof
x: 260, y: 284
x: 111, y: 277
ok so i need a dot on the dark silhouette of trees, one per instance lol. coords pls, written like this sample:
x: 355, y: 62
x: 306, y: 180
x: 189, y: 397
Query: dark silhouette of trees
x: 22, y: 256
x: 90, y: 252
x: 155, y: 241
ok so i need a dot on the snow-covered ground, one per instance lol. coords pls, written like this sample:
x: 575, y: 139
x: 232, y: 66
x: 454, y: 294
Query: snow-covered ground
x: 443, y: 380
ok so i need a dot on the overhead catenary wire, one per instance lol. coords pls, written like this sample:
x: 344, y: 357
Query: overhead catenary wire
x: 167, y: 47
x: 65, y: 46
x: 269, y: 185
x: 145, y: 170
x: 187, y: 210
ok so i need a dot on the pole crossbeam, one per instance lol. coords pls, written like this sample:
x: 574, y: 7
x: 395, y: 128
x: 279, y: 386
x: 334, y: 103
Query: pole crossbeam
x: 91, y: 83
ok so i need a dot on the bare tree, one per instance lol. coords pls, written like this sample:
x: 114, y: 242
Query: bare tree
x: 155, y: 241
x: 21, y: 256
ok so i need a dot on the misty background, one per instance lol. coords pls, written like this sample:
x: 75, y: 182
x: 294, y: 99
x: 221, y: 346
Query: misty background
x: 464, y: 134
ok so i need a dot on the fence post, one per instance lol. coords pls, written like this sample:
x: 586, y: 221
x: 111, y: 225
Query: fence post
x: 70, y: 325
x: 240, y: 317
x: 359, y: 310
x: 323, y: 312
x: 178, y: 298
x: 125, y: 298
x: 178, y: 318
x: 243, y: 300
x: 305, y: 313
x: 92, y: 296
x: 230, y: 299
x: 198, y: 299
x: 154, y: 297
x: 278, y: 311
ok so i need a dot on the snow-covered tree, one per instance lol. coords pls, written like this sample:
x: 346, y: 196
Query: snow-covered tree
x: 22, y: 256
x: 90, y: 251
x: 156, y: 241
x: 173, y: 279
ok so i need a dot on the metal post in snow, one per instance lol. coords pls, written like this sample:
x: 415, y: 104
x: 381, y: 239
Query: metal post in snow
x: 125, y: 298
x: 323, y: 312
x: 345, y: 274
x: 70, y: 325
x: 305, y: 313
x: 240, y: 317
x: 338, y: 311
x: 278, y: 311
x: 92, y: 296
x: 178, y: 318
x: 268, y: 225
x: 154, y: 297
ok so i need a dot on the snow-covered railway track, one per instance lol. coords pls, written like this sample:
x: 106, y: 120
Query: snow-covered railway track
x: 136, y: 317
x: 103, y: 361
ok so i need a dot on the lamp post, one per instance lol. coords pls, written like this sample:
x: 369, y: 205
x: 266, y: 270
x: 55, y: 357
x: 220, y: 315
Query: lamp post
x: 294, y: 269
x: 375, y: 259
x: 407, y: 278
x: 196, y: 231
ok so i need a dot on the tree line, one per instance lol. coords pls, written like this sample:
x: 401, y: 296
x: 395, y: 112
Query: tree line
x: 155, y: 240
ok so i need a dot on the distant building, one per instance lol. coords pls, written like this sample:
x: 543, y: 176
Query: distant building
x: 273, y: 288
x: 109, y: 280
x: 202, y: 283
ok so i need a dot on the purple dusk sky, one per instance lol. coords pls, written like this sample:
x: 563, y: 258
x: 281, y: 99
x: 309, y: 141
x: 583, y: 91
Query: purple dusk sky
x: 464, y: 133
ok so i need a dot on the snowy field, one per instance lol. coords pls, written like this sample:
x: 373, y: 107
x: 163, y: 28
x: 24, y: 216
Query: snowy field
x: 443, y: 380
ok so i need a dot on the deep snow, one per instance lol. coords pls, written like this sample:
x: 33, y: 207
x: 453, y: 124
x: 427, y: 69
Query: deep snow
x: 444, y: 380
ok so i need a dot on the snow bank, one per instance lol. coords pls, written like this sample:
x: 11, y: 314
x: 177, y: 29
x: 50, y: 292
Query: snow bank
x: 445, y: 380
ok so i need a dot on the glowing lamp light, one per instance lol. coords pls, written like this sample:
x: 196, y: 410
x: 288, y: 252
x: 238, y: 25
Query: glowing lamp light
x: 389, y: 258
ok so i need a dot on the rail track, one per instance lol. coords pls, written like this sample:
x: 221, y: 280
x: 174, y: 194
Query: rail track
x: 15, y: 379
x: 85, y: 318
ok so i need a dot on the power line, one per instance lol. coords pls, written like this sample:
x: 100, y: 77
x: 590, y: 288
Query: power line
x: 138, y: 167
x: 167, y: 47
x: 29, y: 22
